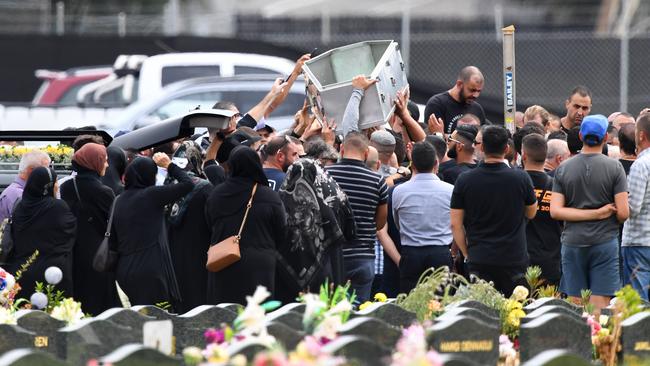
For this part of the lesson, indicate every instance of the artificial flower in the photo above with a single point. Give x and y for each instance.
(314, 306)
(329, 327)
(238, 360)
(270, 359)
(364, 305)
(192, 356)
(520, 293)
(341, 307)
(68, 310)
(7, 316)
(53, 275)
(595, 326)
(603, 319)
(216, 353)
(214, 336)
(506, 347)
(434, 306)
(8, 287)
(380, 297)
(38, 300)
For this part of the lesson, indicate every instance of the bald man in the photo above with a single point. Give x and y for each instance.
(451, 105)
(557, 152)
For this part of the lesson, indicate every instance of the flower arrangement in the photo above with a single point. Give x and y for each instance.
(411, 349)
(327, 311)
(8, 289)
(60, 154)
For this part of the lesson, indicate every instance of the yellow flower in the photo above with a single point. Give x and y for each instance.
(434, 305)
(514, 317)
(381, 297)
(216, 353)
(603, 332)
(364, 305)
(239, 360)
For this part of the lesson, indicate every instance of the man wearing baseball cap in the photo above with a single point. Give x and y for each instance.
(590, 195)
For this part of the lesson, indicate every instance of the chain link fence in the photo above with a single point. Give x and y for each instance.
(548, 64)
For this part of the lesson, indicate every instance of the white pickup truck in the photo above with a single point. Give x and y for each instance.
(137, 77)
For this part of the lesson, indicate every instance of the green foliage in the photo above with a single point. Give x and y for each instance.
(430, 283)
(24, 266)
(631, 300)
(585, 294)
(54, 296)
(332, 296)
(165, 305)
(547, 291)
(534, 278)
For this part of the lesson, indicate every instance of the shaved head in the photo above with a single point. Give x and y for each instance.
(468, 72)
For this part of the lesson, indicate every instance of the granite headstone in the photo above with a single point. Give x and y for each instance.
(635, 337)
(91, 338)
(138, 355)
(46, 329)
(556, 357)
(390, 313)
(29, 357)
(374, 329)
(555, 331)
(548, 301)
(467, 337)
(358, 350)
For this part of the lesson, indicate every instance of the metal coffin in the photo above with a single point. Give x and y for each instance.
(329, 81)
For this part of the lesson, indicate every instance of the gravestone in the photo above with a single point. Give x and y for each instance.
(246, 348)
(159, 335)
(555, 331)
(13, 336)
(635, 337)
(472, 304)
(390, 313)
(556, 357)
(154, 311)
(296, 307)
(550, 309)
(126, 317)
(91, 338)
(548, 301)
(456, 360)
(374, 329)
(467, 337)
(289, 318)
(472, 313)
(285, 335)
(29, 357)
(231, 306)
(190, 327)
(359, 350)
(46, 329)
(138, 355)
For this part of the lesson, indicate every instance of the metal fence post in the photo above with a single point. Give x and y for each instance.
(406, 34)
(60, 18)
(625, 56)
(325, 26)
(121, 24)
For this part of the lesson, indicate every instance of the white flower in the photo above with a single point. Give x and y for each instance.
(328, 327)
(53, 275)
(261, 293)
(38, 300)
(7, 316)
(9, 282)
(603, 319)
(313, 305)
(520, 293)
(252, 318)
(68, 310)
(342, 307)
(192, 355)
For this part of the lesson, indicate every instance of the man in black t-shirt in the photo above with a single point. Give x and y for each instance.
(542, 232)
(461, 150)
(451, 105)
(489, 207)
(577, 107)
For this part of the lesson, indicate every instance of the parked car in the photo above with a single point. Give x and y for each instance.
(180, 97)
(61, 87)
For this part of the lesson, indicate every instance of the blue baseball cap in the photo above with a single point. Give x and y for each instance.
(593, 129)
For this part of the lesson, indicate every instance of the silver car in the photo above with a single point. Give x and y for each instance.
(180, 97)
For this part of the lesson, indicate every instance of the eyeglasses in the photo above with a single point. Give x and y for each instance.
(454, 140)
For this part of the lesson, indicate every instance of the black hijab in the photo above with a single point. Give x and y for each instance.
(141, 173)
(38, 197)
(117, 162)
(233, 194)
(245, 163)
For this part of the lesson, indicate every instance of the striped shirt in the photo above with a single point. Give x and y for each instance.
(366, 190)
(636, 231)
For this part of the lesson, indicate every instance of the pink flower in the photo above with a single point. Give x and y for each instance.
(214, 336)
(270, 359)
(595, 326)
(434, 358)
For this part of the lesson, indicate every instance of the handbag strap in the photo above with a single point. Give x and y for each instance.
(248, 207)
(107, 234)
(76, 190)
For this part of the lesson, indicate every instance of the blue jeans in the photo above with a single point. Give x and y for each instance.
(360, 272)
(636, 269)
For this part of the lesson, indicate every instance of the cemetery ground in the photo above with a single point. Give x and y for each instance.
(445, 320)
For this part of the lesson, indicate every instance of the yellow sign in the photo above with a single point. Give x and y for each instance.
(466, 346)
(40, 341)
(642, 346)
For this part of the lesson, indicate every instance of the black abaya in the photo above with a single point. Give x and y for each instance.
(43, 223)
(263, 234)
(95, 290)
(117, 162)
(136, 232)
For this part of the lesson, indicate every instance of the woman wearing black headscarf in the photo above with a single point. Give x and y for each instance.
(90, 201)
(189, 233)
(117, 163)
(144, 270)
(263, 234)
(43, 223)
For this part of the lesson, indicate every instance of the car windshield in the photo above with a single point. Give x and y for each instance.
(172, 74)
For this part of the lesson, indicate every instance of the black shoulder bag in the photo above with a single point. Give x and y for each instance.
(7, 241)
(106, 258)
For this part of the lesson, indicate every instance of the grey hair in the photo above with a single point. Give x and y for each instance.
(556, 147)
(32, 159)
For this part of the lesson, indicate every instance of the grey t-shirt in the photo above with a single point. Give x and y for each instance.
(590, 181)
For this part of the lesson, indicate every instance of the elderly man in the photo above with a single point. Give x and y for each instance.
(558, 151)
(14, 191)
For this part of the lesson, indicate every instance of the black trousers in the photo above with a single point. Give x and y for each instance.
(505, 278)
(416, 260)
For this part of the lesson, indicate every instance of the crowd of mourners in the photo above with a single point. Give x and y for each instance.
(376, 207)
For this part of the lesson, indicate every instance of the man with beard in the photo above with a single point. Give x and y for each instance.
(461, 152)
(451, 105)
(278, 156)
(577, 106)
